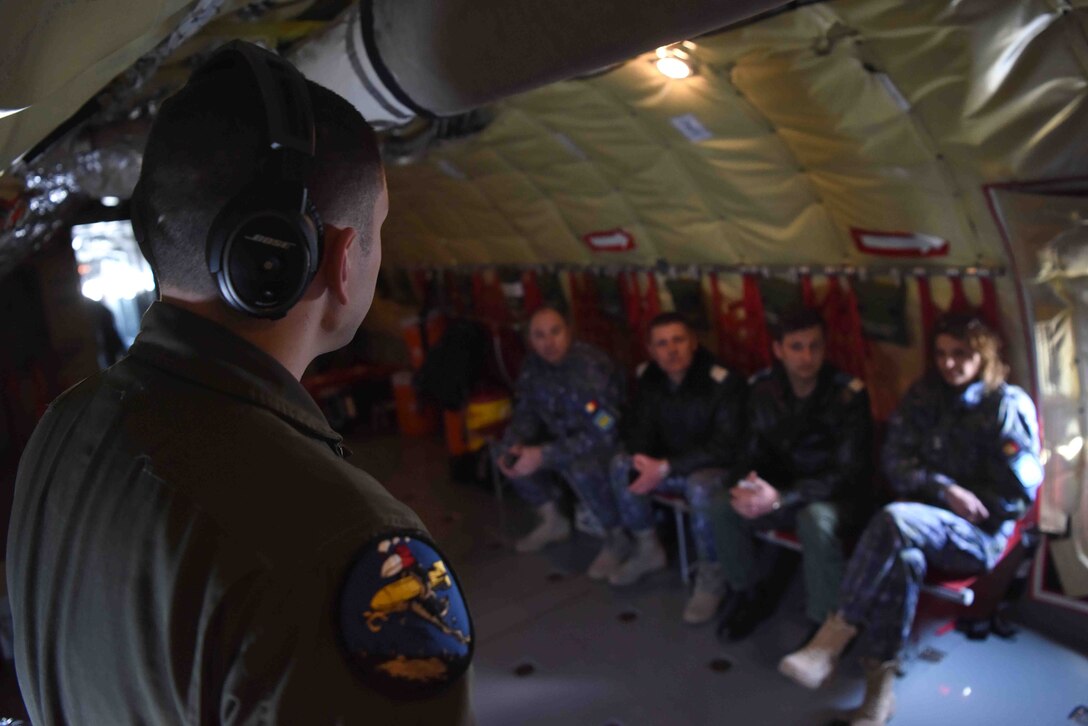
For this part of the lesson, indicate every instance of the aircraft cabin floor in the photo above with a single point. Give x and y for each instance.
(554, 648)
(592, 663)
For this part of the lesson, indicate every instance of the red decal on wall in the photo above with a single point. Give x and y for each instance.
(610, 240)
(899, 244)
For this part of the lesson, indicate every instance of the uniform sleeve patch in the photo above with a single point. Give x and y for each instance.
(856, 385)
(403, 619)
(1010, 448)
(718, 373)
(604, 421)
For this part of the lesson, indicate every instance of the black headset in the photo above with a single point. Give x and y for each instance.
(265, 244)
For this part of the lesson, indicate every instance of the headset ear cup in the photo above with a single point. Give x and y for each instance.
(262, 259)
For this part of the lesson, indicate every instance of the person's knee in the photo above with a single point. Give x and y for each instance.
(721, 513)
(620, 466)
(702, 486)
(818, 521)
(913, 561)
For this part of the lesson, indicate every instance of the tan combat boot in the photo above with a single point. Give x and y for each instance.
(707, 595)
(617, 546)
(649, 556)
(815, 663)
(553, 527)
(879, 703)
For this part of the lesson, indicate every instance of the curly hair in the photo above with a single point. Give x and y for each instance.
(981, 338)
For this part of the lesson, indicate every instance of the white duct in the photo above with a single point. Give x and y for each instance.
(396, 59)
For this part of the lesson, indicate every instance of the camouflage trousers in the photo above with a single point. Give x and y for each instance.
(885, 574)
(699, 488)
(588, 477)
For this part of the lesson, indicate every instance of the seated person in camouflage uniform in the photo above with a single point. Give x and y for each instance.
(565, 424)
(805, 465)
(962, 455)
(683, 433)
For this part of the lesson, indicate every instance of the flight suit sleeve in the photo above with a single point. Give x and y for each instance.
(389, 643)
(723, 447)
(1013, 469)
(597, 419)
(849, 470)
(525, 425)
(907, 474)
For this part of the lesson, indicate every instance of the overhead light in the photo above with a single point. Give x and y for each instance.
(674, 62)
(110, 201)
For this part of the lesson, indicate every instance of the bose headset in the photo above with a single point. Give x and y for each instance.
(265, 244)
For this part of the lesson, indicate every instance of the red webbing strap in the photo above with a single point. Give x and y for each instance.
(453, 293)
(478, 295)
(721, 320)
(929, 314)
(857, 351)
(629, 293)
(534, 298)
(594, 327)
(988, 309)
(652, 301)
(959, 303)
(758, 353)
(421, 284)
(488, 299)
(808, 294)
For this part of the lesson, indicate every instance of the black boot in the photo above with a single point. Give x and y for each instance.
(744, 611)
(751, 611)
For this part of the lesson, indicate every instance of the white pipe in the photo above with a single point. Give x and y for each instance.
(395, 59)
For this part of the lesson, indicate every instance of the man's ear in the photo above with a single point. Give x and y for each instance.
(339, 259)
(776, 347)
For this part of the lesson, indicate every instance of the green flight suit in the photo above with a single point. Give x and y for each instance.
(183, 529)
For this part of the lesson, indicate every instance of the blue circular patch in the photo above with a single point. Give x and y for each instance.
(403, 618)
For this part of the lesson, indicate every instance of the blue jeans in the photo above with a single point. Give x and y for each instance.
(698, 487)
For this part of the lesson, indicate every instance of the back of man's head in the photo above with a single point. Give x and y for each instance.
(209, 142)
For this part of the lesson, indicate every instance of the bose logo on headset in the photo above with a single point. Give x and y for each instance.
(265, 244)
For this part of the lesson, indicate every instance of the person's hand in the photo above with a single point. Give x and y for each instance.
(753, 497)
(529, 460)
(651, 472)
(964, 503)
(507, 459)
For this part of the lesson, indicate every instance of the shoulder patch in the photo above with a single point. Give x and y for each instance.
(641, 369)
(718, 373)
(403, 619)
(856, 385)
(1010, 448)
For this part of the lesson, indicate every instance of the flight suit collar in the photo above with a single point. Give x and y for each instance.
(195, 348)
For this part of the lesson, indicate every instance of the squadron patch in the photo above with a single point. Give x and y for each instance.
(403, 619)
(718, 373)
(856, 385)
(601, 418)
(1010, 448)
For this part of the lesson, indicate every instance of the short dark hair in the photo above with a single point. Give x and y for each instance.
(794, 319)
(551, 307)
(981, 338)
(667, 318)
(206, 145)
